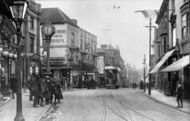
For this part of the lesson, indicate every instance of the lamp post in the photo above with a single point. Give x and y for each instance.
(48, 31)
(18, 10)
(1, 49)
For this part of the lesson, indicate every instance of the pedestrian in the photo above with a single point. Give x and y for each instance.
(58, 93)
(35, 90)
(141, 84)
(29, 86)
(179, 91)
(41, 91)
(13, 85)
(48, 92)
(3, 81)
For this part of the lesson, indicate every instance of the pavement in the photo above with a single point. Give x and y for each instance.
(159, 96)
(8, 108)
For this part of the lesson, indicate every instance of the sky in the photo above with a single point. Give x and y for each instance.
(121, 26)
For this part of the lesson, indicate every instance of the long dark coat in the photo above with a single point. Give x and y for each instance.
(13, 84)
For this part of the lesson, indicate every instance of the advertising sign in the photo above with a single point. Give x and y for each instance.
(100, 64)
(59, 37)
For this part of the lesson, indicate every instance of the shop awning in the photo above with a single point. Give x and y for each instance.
(161, 62)
(178, 65)
(110, 68)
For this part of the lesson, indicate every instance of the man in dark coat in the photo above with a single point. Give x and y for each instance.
(179, 91)
(13, 85)
(29, 86)
(35, 90)
(3, 81)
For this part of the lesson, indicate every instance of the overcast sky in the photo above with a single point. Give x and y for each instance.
(118, 26)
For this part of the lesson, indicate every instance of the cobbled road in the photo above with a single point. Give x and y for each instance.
(111, 105)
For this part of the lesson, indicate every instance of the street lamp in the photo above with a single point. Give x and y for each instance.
(18, 10)
(48, 31)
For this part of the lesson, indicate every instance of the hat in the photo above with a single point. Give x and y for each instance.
(178, 82)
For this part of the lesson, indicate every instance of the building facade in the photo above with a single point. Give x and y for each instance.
(63, 43)
(31, 43)
(172, 46)
(87, 55)
(72, 49)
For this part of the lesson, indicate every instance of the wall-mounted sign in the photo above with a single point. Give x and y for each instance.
(59, 38)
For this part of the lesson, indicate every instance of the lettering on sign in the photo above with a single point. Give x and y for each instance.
(58, 37)
(57, 40)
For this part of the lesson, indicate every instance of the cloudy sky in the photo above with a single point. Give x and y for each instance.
(119, 26)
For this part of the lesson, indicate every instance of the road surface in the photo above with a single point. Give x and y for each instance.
(111, 105)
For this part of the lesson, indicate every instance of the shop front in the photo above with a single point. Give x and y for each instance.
(181, 68)
(7, 51)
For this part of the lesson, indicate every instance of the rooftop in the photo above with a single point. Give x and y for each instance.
(55, 16)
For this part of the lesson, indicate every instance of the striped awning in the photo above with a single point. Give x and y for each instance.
(162, 61)
(178, 65)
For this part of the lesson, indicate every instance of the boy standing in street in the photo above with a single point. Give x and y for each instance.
(179, 91)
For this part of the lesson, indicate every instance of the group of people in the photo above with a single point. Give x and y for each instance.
(44, 90)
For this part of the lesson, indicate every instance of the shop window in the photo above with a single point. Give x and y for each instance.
(184, 26)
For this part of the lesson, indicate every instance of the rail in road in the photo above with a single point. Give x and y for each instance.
(112, 105)
(129, 110)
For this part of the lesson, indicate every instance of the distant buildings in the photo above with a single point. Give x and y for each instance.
(110, 65)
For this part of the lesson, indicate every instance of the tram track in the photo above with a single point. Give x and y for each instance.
(127, 108)
(107, 106)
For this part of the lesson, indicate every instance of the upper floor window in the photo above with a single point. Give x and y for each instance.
(173, 36)
(165, 44)
(72, 39)
(31, 44)
(173, 5)
(159, 48)
(81, 44)
(184, 26)
(31, 23)
(184, 1)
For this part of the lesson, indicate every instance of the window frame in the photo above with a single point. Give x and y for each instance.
(184, 26)
(31, 44)
(32, 23)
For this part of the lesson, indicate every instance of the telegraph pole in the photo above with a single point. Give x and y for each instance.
(144, 73)
(150, 31)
